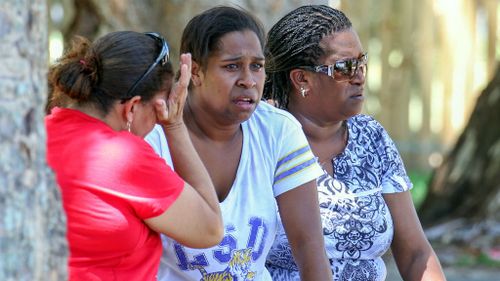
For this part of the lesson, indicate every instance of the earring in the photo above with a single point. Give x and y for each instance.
(128, 126)
(303, 92)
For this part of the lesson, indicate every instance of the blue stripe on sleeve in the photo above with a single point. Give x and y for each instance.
(292, 155)
(294, 170)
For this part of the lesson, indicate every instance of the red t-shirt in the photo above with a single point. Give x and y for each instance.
(110, 182)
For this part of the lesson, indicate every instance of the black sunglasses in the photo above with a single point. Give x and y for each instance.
(162, 58)
(342, 70)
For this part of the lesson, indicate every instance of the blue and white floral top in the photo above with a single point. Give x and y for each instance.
(357, 224)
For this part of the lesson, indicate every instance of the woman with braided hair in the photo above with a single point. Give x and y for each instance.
(316, 69)
(117, 193)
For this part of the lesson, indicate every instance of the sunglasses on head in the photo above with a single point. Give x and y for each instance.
(162, 58)
(342, 70)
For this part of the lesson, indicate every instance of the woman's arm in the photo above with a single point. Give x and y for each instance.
(299, 210)
(194, 219)
(414, 255)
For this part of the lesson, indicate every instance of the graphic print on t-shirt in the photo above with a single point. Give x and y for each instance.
(238, 261)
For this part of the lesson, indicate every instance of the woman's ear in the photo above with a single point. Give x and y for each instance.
(299, 80)
(130, 107)
(196, 74)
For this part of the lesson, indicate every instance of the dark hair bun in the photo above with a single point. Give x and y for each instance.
(77, 73)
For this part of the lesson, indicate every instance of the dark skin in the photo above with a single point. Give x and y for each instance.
(225, 93)
(328, 104)
(222, 170)
(328, 145)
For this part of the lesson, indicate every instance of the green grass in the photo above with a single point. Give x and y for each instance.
(485, 260)
(420, 180)
(477, 260)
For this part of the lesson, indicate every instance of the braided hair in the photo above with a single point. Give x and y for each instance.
(294, 41)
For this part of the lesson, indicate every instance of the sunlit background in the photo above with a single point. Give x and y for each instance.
(428, 62)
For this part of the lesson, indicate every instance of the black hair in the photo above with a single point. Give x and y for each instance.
(102, 72)
(294, 41)
(201, 36)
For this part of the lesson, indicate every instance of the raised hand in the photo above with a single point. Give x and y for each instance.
(169, 113)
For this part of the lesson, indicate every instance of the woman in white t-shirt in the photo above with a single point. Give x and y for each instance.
(256, 155)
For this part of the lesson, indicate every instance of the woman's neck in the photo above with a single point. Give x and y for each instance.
(112, 119)
(317, 130)
(204, 127)
(327, 139)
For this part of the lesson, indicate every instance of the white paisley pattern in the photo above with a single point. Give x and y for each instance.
(357, 224)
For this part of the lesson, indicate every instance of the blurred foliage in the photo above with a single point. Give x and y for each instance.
(481, 259)
(420, 180)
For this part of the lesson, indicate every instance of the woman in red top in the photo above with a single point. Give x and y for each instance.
(118, 195)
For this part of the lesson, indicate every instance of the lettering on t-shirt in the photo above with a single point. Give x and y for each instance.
(238, 261)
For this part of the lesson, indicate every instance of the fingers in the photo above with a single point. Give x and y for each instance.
(185, 70)
(181, 86)
(177, 97)
(172, 112)
(161, 110)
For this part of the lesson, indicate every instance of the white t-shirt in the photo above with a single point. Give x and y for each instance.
(275, 158)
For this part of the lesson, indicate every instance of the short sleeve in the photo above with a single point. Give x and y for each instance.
(394, 177)
(296, 163)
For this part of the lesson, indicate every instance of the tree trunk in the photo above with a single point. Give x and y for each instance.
(32, 225)
(467, 184)
(93, 18)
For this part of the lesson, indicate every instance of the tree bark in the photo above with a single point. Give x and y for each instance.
(32, 224)
(467, 184)
(93, 18)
